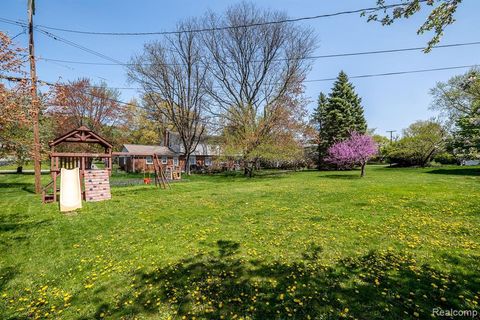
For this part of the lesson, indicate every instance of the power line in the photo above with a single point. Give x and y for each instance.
(78, 46)
(18, 34)
(289, 20)
(308, 81)
(397, 73)
(66, 41)
(360, 76)
(18, 79)
(117, 62)
(336, 55)
(14, 22)
(42, 82)
(393, 50)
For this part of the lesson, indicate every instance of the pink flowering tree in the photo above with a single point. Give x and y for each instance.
(354, 151)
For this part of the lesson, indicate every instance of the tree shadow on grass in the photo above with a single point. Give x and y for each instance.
(15, 186)
(30, 172)
(237, 176)
(17, 222)
(379, 285)
(457, 172)
(6, 275)
(342, 176)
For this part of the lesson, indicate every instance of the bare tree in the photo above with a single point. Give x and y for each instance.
(173, 77)
(254, 67)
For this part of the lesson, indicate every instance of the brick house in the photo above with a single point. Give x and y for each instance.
(135, 158)
(204, 156)
(139, 158)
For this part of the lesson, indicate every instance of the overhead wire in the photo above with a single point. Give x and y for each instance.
(78, 46)
(334, 55)
(248, 25)
(114, 61)
(397, 73)
(384, 74)
(61, 39)
(42, 82)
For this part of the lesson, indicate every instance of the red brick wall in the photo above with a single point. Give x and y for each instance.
(140, 165)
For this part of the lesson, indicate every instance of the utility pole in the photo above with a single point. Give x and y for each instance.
(391, 134)
(35, 108)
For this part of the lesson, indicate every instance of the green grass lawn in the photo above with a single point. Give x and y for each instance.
(318, 245)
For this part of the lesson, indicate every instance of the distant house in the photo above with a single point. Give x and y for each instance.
(138, 158)
(204, 155)
(470, 162)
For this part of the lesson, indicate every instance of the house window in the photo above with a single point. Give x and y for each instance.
(208, 161)
(164, 159)
(193, 160)
(175, 161)
(149, 160)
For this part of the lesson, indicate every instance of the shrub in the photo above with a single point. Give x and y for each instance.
(445, 158)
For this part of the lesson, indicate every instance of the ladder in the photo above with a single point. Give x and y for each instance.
(160, 178)
(49, 197)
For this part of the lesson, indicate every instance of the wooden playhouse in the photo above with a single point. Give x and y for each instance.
(95, 166)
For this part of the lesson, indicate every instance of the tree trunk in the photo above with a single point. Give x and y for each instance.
(249, 166)
(257, 164)
(427, 159)
(187, 165)
(362, 174)
(20, 169)
(319, 159)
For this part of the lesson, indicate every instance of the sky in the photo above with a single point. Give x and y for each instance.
(390, 103)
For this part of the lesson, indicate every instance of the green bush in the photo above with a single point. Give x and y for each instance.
(421, 141)
(445, 158)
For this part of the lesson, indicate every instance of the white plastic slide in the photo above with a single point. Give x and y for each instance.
(70, 190)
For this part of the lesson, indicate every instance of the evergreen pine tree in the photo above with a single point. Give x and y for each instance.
(339, 114)
(318, 116)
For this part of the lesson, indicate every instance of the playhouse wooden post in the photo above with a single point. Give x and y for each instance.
(82, 175)
(55, 187)
(55, 173)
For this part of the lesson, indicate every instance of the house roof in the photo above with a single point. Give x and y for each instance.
(139, 149)
(204, 149)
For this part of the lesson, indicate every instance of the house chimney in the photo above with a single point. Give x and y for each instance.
(166, 138)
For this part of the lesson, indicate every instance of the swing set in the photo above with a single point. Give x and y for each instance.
(159, 174)
(159, 170)
(146, 180)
